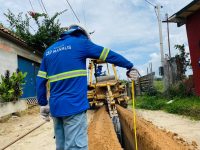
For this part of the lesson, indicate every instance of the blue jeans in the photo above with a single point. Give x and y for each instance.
(71, 132)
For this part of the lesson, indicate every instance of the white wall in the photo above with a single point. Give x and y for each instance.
(8, 55)
(12, 107)
(8, 61)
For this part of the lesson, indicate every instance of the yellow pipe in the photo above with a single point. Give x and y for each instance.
(115, 72)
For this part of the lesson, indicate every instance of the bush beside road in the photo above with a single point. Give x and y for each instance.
(188, 106)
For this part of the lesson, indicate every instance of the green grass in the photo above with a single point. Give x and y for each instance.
(185, 106)
(189, 106)
(159, 86)
(150, 102)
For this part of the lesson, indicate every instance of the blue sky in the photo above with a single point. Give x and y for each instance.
(128, 27)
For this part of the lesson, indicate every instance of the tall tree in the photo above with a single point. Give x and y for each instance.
(44, 32)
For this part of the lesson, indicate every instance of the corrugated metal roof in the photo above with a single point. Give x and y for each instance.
(181, 16)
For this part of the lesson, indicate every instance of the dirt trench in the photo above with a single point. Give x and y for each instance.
(100, 131)
(148, 135)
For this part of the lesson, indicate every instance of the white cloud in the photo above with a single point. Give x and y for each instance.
(128, 27)
(156, 63)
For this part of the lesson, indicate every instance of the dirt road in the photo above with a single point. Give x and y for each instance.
(40, 139)
(184, 127)
(101, 133)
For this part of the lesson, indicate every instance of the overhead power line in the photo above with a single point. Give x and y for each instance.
(150, 3)
(73, 11)
(44, 7)
(32, 28)
(41, 6)
(31, 5)
(83, 9)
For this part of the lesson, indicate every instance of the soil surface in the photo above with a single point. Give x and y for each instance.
(40, 139)
(150, 137)
(101, 132)
(182, 126)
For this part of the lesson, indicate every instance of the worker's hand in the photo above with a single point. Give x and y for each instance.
(44, 111)
(132, 73)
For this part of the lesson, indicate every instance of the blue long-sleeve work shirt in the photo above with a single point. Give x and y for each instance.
(64, 65)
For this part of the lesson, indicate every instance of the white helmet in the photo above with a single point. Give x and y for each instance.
(75, 28)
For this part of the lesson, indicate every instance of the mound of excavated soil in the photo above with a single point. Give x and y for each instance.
(101, 132)
(149, 136)
(181, 126)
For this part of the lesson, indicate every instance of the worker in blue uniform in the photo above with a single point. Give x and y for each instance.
(99, 72)
(64, 66)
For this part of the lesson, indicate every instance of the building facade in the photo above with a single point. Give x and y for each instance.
(15, 54)
(190, 16)
(193, 33)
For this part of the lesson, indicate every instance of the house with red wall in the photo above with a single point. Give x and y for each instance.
(190, 16)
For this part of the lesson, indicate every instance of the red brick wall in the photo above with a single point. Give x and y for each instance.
(193, 33)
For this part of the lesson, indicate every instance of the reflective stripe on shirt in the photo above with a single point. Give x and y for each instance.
(42, 74)
(66, 75)
(104, 54)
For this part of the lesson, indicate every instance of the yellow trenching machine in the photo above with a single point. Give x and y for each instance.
(104, 87)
